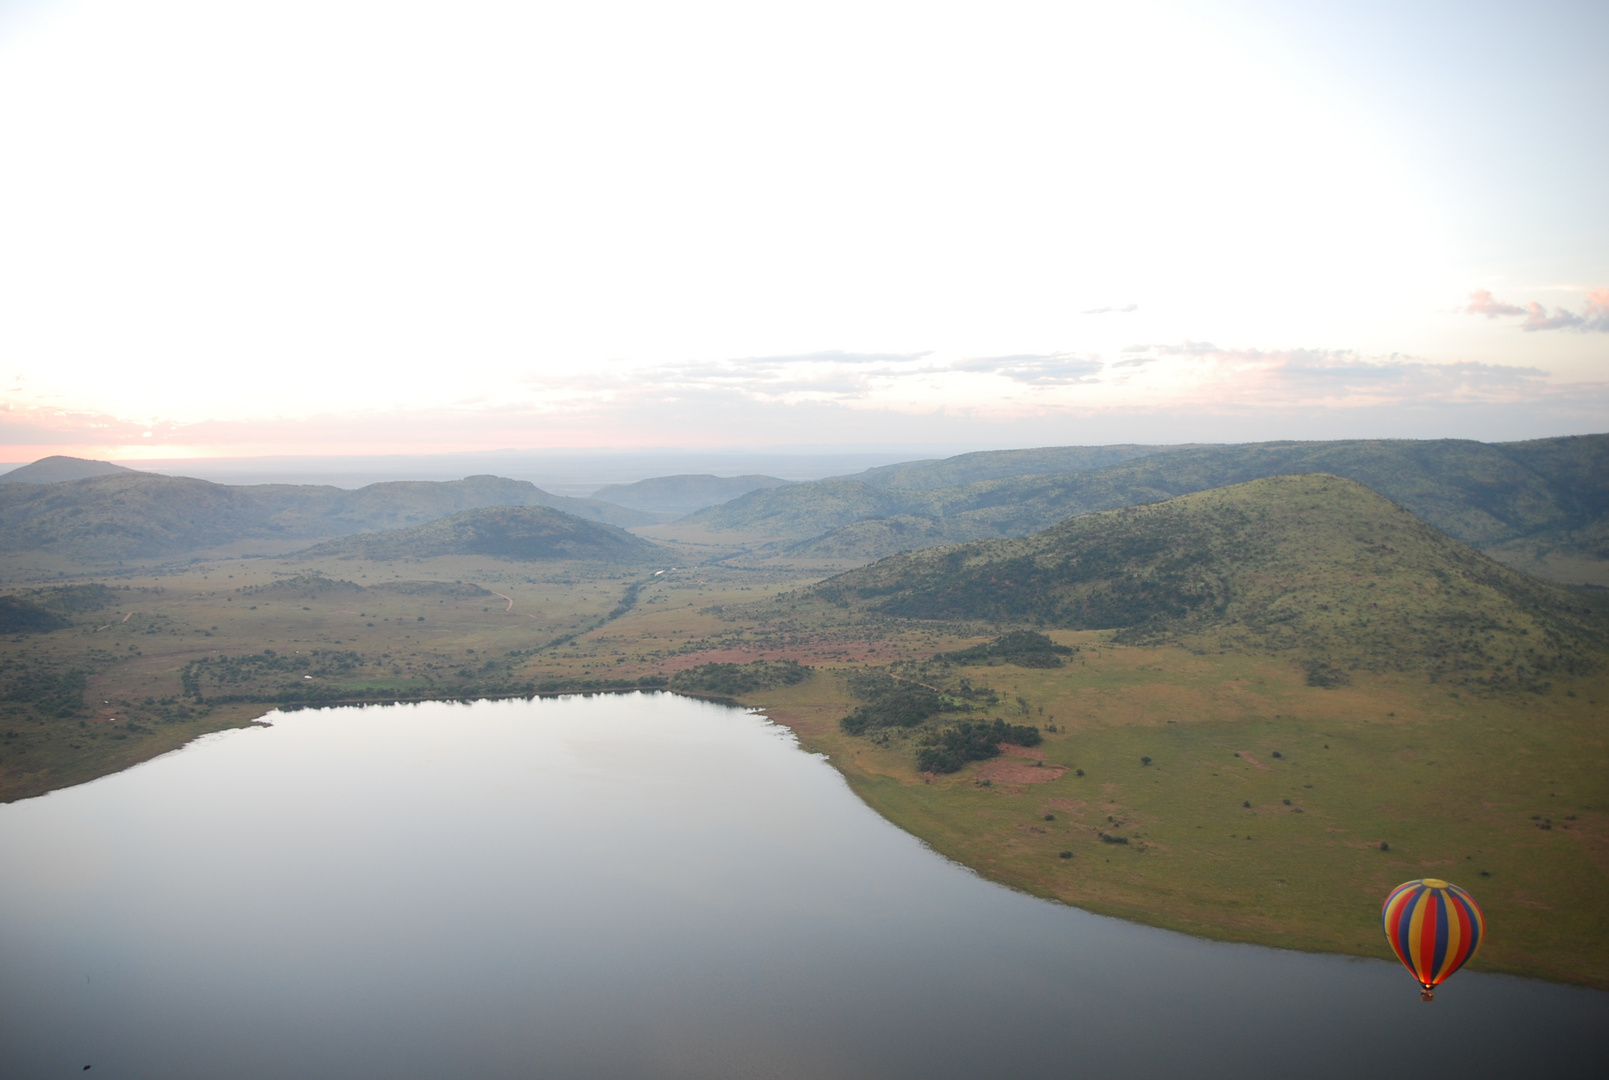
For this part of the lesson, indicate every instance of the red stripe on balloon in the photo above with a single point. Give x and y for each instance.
(1427, 936)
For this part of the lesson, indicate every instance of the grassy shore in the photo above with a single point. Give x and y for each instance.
(1269, 811)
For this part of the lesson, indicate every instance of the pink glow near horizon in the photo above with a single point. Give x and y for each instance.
(532, 227)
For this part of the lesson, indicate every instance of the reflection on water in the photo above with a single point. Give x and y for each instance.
(631, 886)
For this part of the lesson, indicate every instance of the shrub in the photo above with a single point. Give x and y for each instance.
(1325, 675)
(732, 679)
(892, 702)
(948, 750)
(18, 616)
(1024, 648)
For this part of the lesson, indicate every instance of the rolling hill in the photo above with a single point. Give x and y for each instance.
(998, 464)
(133, 515)
(524, 533)
(1551, 494)
(56, 468)
(801, 510)
(683, 494)
(1315, 566)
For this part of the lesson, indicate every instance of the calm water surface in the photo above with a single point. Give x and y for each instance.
(636, 886)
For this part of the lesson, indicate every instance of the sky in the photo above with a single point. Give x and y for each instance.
(232, 229)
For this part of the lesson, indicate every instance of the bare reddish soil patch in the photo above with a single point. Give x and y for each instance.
(1013, 750)
(1006, 771)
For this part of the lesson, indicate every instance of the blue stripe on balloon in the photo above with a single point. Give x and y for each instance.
(1440, 954)
(1405, 928)
(1474, 926)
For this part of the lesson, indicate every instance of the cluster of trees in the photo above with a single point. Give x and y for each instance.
(1024, 648)
(948, 749)
(894, 703)
(46, 693)
(729, 680)
(234, 671)
(18, 616)
(40, 611)
(891, 702)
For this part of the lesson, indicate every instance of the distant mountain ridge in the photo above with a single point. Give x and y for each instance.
(524, 533)
(1316, 566)
(134, 515)
(685, 493)
(998, 464)
(1524, 502)
(57, 468)
(1550, 491)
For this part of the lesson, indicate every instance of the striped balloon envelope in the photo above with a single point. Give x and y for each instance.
(1434, 928)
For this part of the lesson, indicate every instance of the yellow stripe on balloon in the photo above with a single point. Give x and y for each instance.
(1416, 925)
(1393, 913)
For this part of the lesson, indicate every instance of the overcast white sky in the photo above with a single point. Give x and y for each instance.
(352, 226)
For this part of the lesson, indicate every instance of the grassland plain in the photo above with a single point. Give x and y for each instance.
(1263, 809)
(1454, 778)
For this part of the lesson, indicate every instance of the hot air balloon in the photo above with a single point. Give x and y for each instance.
(1434, 928)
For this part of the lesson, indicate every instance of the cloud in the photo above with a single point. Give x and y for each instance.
(1596, 315)
(1595, 318)
(1036, 369)
(1326, 378)
(830, 376)
(1481, 302)
(1110, 310)
(1185, 391)
(828, 356)
(1537, 318)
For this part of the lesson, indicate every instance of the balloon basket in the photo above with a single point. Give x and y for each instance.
(1427, 994)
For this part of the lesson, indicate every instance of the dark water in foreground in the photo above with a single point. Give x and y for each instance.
(641, 886)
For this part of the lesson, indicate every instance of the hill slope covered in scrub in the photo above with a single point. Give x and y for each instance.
(1546, 496)
(133, 515)
(801, 510)
(998, 464)
(1316, 566)
(507, 532)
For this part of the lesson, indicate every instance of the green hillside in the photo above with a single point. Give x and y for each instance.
(1547, 497)
(800, 510)
(507, 532)
(878, 538)
(997, 464)
(132, 515)
(1317, 567)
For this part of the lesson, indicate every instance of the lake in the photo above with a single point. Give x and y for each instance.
(633, 886)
